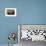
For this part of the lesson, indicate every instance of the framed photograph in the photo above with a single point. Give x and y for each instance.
(10, 11)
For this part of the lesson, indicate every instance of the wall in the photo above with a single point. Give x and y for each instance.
(28, 12)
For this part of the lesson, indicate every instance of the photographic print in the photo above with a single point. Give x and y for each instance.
(10, 11)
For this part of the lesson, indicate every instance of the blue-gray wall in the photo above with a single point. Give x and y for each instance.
(28, 12)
